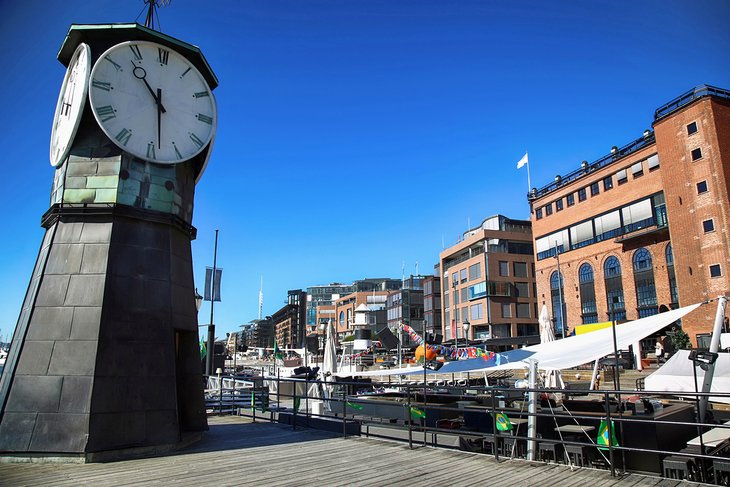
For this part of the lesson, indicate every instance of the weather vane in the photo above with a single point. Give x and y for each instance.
(152, 5)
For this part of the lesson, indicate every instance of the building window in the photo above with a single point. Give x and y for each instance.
(702, 187)
(464, 294)
(582, 194)
(692, 128)
(506, 310)
(522, 290)
(715, 270)
(637, 170)
(538, 214)
(589, 313)
(559, 205)
(520, 269)
(462, 276)
(621, 176)
(697, 154)
(556, 298)
(456, 296)
(708, 226)
(644, 281)
(476, 311)
(614, 288)
(594, 189)
(503, 268)
(570, 199)
(454, 279)
(523, 310)
(548, 209)
(607, 183)
(475, 271)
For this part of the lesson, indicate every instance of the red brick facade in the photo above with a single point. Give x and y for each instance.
(690, 210)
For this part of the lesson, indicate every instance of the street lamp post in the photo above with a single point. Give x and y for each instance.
(465, 324)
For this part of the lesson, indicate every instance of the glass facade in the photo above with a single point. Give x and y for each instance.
(614, 289)
(589, 313)
(644, 281)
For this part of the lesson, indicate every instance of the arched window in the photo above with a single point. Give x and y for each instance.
(673, 291)
(556, 295)
(644, 280)
(614, 289)
(589, 314)
(342, 319)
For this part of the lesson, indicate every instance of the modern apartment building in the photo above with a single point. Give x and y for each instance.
(289, 322)
(321, 299)
(644, 228)
(488, 283)
(432, 303)
(406, 306)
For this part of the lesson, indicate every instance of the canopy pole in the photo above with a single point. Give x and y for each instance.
(532, 410)
(714, 347)
(595, 375)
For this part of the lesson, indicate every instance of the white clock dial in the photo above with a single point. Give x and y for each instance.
(70, 105)
(152, 102)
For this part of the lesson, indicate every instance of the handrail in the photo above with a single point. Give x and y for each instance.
(688, 97)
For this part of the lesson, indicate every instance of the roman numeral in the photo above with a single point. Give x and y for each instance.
(177, 152)
(102, 85)
(205, 119)
(123, 136)
(201, 94)
(196, 140)
(135, 52)
(184, 73)
(106, 113)
(116, 66)
(162, 56)
(151, 150)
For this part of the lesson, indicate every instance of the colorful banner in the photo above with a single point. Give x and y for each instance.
(451, 353)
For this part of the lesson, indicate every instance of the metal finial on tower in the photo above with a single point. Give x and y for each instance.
(261, 298)
(152, 5)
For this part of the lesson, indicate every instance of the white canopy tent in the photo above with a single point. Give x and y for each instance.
(560, 354)
(676, 376)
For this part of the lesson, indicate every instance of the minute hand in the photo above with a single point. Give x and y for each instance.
(143, 77)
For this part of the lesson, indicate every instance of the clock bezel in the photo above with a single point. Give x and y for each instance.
(78, 110)
(137, 153)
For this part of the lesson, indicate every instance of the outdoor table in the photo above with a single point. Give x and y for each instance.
(713, 438)
(574, 428)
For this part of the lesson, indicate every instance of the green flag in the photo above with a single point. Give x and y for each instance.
(603, 435)
(503, 422)
(354, 406)
(277, 353)
(203, 349)
(417, 413)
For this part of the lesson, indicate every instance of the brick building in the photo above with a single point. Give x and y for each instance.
(644, 228)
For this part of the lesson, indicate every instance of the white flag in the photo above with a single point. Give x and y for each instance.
(522, 161)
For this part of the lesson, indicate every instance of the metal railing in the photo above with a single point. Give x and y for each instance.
(416, 414)
(688, 97)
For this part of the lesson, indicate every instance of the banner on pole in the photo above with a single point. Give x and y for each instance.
(212, 289)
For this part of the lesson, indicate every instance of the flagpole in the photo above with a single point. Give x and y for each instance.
(529, 186)
(211, 327)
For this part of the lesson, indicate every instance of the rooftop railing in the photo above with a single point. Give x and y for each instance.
(616, 154)
(687, 98)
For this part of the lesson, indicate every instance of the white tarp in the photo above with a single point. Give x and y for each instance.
(560, 354)
(676, 375)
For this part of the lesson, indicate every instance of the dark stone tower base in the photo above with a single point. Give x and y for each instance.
(105, 355)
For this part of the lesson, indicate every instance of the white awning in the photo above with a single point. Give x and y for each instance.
(677, 376)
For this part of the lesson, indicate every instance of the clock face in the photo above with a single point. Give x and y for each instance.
(70, 105)
(152, 102)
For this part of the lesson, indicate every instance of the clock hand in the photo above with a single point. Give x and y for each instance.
(143, 77)
(159, 115)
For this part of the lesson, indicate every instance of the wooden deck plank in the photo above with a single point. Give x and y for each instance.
(238, 452)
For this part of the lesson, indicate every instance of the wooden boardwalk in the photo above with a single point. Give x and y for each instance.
(238, 452)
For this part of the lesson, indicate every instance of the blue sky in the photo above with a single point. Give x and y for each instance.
(356, 136)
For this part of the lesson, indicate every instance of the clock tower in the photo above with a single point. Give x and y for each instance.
(104, 360)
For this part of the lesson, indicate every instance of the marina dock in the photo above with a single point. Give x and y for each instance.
(237, 451)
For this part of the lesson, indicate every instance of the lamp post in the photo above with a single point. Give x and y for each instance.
(198, 300)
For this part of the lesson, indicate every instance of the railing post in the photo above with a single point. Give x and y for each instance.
(409, 416)
(609, 425)
(344, 411)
